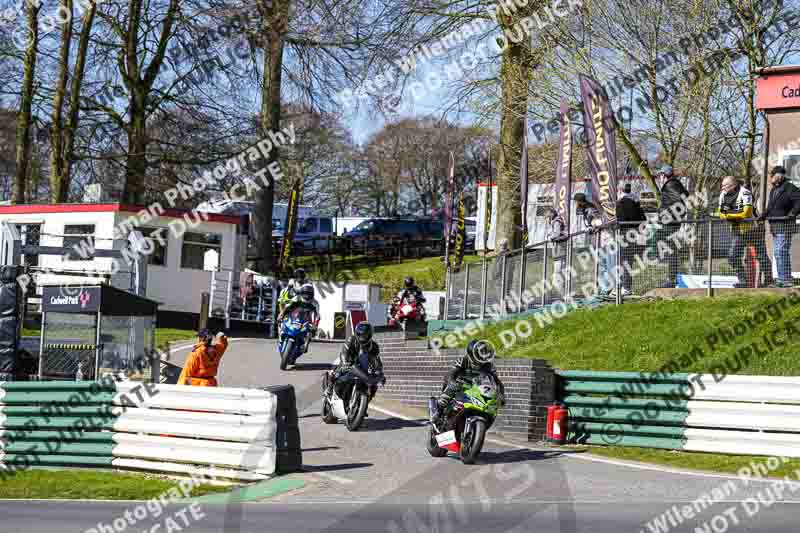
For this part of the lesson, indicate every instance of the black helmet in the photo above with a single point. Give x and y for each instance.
(409, 282)
(300, 274)
(480, 353)
(306, 293)
(363, 333)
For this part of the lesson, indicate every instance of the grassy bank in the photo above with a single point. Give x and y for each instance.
(80, 484)
(428, 272)
(163, 335)
(644, 336)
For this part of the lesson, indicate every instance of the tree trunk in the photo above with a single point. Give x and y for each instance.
(275, 26)
(23, 144)
(74, 102)
(136, 164)
(516, 75)
(57, 163)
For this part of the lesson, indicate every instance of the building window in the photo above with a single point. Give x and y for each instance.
(195, 247)
(30, 235)
(157, 246)
(79, 242)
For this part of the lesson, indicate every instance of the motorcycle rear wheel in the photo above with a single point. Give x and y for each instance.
(355, 416)
(433, 446)
(287, 349)
(472, 442)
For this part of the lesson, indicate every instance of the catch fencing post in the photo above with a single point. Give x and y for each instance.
(484, 280)
(596, 254)
(502, 295)
(466, 293)
(568, 284)
(544, 276)
(523, 268)
(709, 249)
(618, 269)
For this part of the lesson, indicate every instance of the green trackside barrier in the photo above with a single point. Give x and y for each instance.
(625, 408)
(56, 423)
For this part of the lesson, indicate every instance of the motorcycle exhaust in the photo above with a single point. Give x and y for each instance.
(433, 408)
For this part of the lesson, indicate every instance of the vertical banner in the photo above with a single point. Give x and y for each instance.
(563, 188)
(461, 232)
(290, 226)
(598, 123)
(523, 183)
(488, 220)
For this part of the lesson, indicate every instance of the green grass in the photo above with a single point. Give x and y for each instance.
(428, 273)
(80, 484)
(644, 336)
(729, 464)
(165, 335)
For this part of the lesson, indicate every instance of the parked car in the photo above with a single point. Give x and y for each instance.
(377, 233)
(312, 233)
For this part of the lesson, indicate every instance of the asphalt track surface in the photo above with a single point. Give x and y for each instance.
(381, 479)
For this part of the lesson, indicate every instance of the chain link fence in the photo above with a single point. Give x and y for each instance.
(628, 260)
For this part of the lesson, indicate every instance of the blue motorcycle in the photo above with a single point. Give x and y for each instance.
(293, 336)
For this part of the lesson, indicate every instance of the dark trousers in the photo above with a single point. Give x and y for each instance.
(673, 260)
(628, 262)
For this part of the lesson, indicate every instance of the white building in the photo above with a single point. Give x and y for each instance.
(187, 246)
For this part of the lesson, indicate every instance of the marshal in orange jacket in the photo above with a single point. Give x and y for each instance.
(202, 364)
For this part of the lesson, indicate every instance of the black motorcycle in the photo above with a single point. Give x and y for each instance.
(350, 397)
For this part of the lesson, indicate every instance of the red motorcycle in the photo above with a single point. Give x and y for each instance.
(404, 312)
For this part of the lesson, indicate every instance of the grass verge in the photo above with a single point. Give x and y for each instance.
(644, 336)
(79, 484)
(163, 335)
(727, 464)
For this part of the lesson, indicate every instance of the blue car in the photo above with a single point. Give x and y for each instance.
(292, 339)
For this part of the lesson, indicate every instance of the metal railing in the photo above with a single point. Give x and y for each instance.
(627, 260)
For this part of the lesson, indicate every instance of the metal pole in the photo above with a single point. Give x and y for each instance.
(544, 276)
(97, 346)
(41, 344)
(618, 270)
(466, 293)
(484, 280)
(523, 268)
(503, 268)
(448, 291)
(228, 301)
(155, 356)
(596, 254)
(205, 304)
(568, 285)
(762, 201)
(709, 249)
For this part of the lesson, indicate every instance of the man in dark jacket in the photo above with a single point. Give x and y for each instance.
(784, 201)
(361, 341)
(629, 215)
(672, 193)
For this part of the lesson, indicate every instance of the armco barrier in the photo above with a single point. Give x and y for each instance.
(414, 373)
(241, 434)
(751, 415)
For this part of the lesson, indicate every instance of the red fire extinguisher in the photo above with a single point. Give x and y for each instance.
(557, 419)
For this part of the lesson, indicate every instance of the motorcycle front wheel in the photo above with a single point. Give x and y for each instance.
(433, 446)
(472, 441)
(358, 408)
(287, 349)
(327, 415)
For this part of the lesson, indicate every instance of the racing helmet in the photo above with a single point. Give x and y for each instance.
(480, 352)
(363, 333)
(306, 293)
(409, 282)
(300, 275)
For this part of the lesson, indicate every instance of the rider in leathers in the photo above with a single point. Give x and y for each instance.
(479, 358)
(348, 357)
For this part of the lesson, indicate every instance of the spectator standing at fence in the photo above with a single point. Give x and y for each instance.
(672, 193)
(557, 234)
(736, 206)
(783, 201)
(629, 215)
(606, 255)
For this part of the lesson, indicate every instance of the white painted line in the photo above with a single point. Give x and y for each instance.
(594, 458)
(332, 477)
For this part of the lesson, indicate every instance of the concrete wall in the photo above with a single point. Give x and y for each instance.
(414, 374)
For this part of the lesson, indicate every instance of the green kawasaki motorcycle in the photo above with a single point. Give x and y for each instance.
(469, 415)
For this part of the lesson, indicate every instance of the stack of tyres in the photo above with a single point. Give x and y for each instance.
(289, 456)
